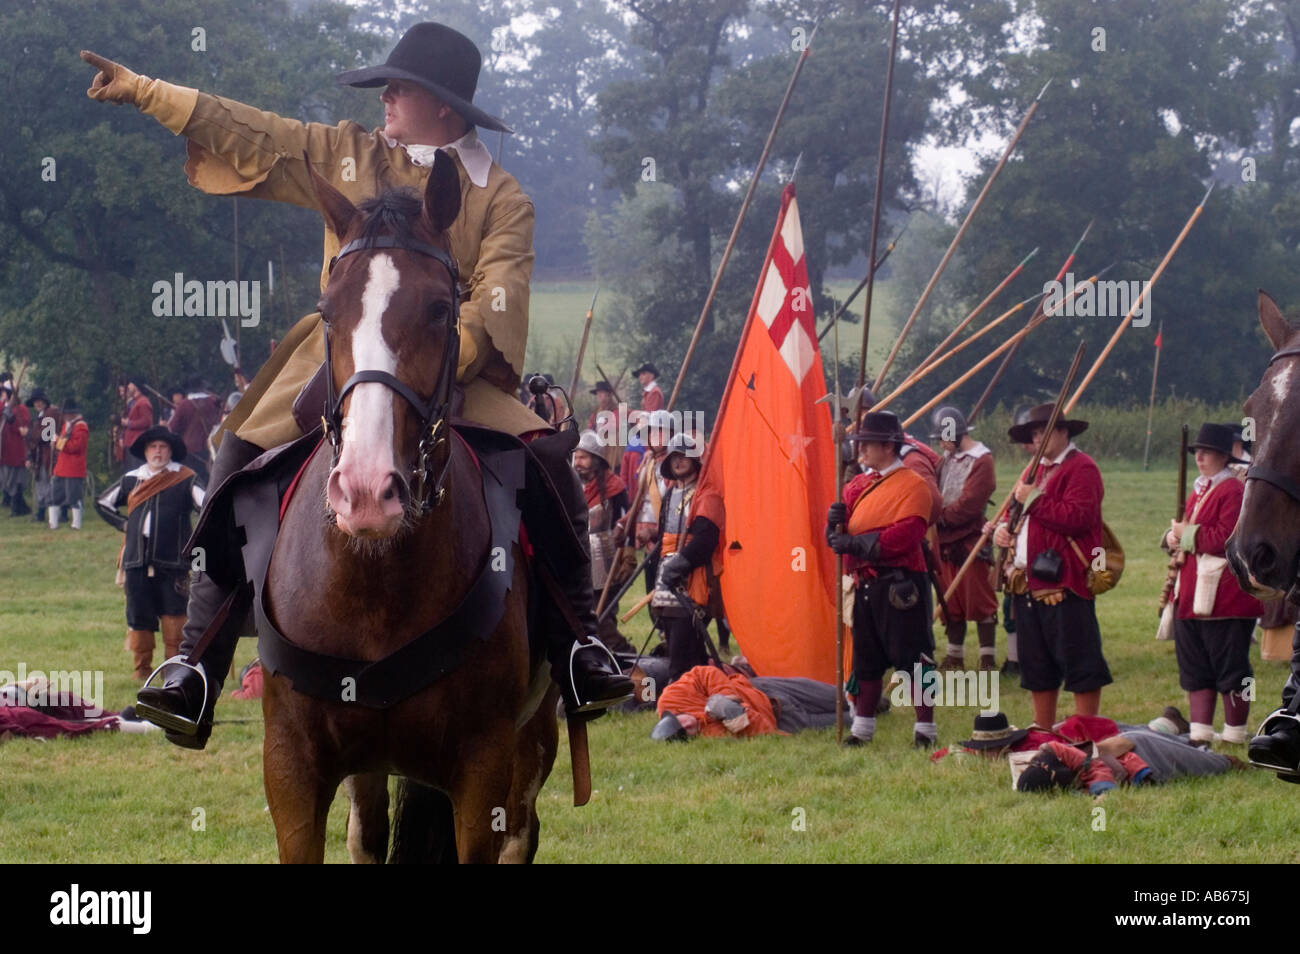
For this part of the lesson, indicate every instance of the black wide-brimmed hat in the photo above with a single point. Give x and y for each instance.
(602, 386)
(993, 732)
(160, 433)
(882, 426)
(1023, 432)
(1215, 437)
(439, 59)
(647, 367)
(38, 394)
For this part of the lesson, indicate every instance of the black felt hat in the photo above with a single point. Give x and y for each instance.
(602, 386)
(1215, 437)
(647, 367)
(160, 433)
(1023, 431)
(439, 59)
(882, 426)
(993, 732)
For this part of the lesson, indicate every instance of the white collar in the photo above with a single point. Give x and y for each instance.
(975, 453)
(144, 473)
(474, 156)
(651, 386)
(898, 462)
(1061, 456)
(1202, 481)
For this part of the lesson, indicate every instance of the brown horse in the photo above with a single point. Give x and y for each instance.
(1264, 549)
(378, 543)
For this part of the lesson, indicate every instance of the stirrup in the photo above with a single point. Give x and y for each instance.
(594, 642)
(170, 720)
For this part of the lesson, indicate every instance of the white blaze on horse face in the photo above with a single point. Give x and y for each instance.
(1281, 389)
(368, 433)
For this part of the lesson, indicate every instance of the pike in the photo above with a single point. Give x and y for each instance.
(1006, 362)
(1124, 322)
(740, 217)
(871, 252)
(1000, 349)
(956, 239)
(1151, 404)
(884, 256)
(582, 344)
(961, 325)
(1010, 506)
(839, 557)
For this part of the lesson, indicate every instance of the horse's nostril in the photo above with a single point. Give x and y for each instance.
(1263, 559)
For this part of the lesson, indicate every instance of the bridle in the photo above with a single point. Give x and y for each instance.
(426, 491)
(1288, 485)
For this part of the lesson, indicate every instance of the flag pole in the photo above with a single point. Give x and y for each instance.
(875, 207)
(839, 557)
(1151, 405)
(956, 239)
(1124, 323)
(582, 344)
(740, 217)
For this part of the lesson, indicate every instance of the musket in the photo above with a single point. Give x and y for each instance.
(1015, 510)
(582, 344)
(1176, 557)
(877, 197)
(956, 239)
(613, 385)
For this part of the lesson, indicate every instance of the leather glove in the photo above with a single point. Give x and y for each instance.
(836, 517)
(114, 83)
(864, 546)
(674, 571)
(468, 353)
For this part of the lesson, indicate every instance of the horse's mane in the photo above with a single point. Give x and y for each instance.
(393, 212)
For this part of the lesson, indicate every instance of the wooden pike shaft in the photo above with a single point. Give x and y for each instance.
(839, 557)
(740, 217)
(1124, 323)
(956, 239)
(582, 345)
(961, 326)
(1151, 403)
(875, 214)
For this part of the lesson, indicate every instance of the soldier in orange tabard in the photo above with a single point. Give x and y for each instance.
(878, 529)
(691, 520)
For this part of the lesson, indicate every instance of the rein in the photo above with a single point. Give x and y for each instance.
(426, 490)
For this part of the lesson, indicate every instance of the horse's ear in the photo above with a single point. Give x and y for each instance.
(1277, 328)
(333, 204)
(442, 193)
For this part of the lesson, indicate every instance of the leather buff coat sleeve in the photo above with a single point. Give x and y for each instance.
(234, 149)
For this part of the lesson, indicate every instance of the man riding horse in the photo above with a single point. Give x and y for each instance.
(233, 149)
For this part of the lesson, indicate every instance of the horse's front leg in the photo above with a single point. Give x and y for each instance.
(480, 794)
(367, 817)
(299, 777)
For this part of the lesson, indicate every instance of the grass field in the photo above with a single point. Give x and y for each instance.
(122, 798)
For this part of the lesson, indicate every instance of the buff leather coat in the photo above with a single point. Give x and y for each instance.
(234, 149)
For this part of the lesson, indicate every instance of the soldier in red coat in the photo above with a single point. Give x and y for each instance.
(137, 419)
(966, 482)
(1056, 621)
(1215, 619)
(14, 424)
(69, 484)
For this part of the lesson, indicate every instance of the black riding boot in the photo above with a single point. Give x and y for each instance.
(178, 705)
(585, 671)
(18, 507)
(1278, 748)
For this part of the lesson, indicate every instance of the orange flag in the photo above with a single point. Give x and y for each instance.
(772, 454)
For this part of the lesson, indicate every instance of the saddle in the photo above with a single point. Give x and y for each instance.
(252, 502)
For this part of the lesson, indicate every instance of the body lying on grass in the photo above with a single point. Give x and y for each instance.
(1092, 752)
